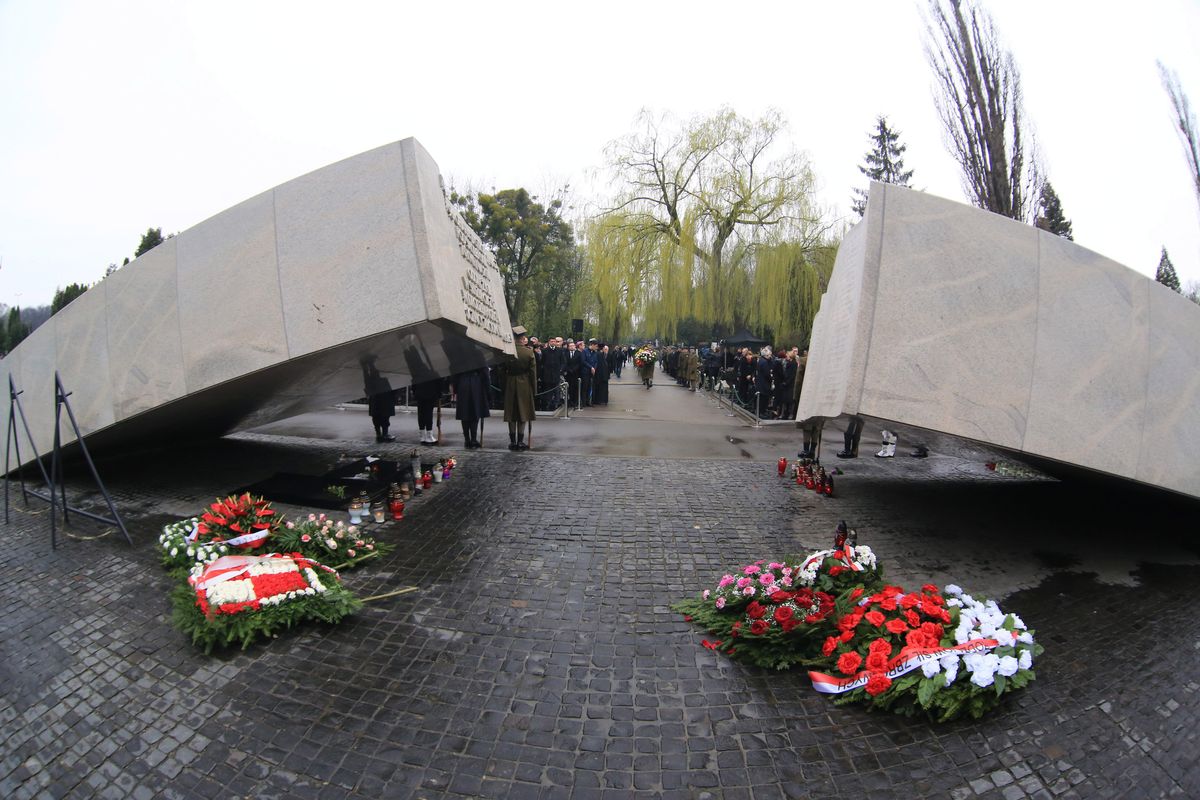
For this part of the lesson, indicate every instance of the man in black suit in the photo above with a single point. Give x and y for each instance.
(572, 365)
(553, 363)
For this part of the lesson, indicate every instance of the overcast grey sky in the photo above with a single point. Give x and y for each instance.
(119, 116)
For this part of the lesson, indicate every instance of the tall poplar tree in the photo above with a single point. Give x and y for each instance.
(1166, 273)
(1050, 214)
(884, 162)
(983, 116)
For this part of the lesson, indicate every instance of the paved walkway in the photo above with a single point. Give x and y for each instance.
(540, 658)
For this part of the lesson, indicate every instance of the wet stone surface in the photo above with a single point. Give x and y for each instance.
(540, 658)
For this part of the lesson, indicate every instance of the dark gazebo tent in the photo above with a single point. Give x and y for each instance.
(742, 338)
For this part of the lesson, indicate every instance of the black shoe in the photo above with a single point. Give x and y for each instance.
(845, 454)
(386, 438)
(514, 446)
(522, 446)
(921, 451)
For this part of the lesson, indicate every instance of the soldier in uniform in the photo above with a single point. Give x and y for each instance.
(693, 369)
(519, 387)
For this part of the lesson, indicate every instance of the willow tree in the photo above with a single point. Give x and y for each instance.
(695, 205)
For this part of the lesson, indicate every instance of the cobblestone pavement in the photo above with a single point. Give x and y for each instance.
(540, 658)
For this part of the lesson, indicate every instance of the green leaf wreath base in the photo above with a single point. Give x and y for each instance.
(223, 630)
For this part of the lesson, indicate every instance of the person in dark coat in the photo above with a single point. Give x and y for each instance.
(550, 375)
(762, 382)
(520, 385)
(785, 384)
(571, 372)
(426, 395)
(381, 404)
(470, 390)
(587, 370)
(600, 379)
(745, 378)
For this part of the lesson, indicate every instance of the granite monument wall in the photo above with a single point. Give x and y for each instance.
(286, 302)
(949, 318)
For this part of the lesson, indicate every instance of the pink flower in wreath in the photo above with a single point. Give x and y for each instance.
(725, 581)
(720, 602)
(766, 579)
(753, 569)
(306, 538)
(742, 583)
(748, 591)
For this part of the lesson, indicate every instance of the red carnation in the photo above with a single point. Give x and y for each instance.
(877, 662)
(875, 618)
(912, 618)
(846, 636)
(835, 570)
(882, 646)
(790, 625)
(915, 638)
(784, 613)
(759, 627)
(933, 630)
(888, 603)
(929, 588)
(878, 683)
(849, 622)
(910, 601)
(756, 610)
(780, 596)
(896, 626)
(848, 663)
(892, 591)
(830, 645)
(857, 593)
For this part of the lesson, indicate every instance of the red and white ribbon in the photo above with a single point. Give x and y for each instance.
(909, 659)
(245, 540)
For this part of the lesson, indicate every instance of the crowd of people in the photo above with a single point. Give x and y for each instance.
(765, 382)
(542, 376)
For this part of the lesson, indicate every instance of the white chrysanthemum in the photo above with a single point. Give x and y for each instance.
(930, 667)
(951, 673)
(174, 552)
(953, 589)
(1008, 666)
(1017, 622)
(1025, 660)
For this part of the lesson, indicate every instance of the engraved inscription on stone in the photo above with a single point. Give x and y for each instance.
(477, 297)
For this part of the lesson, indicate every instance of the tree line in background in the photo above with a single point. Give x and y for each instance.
(713, 223)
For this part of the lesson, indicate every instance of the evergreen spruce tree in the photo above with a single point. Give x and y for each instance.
(1050, 214)
(885, 163)
(1166, 273)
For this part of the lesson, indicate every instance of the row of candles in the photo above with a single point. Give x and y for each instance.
(361, 509)
(809, 474)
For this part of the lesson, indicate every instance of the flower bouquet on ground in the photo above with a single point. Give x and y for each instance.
(239, 598)
(181, 550)
(644, 357)
(944, 656)
(918, 652)
(763, 615)
(240, 522)
(322, 539)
